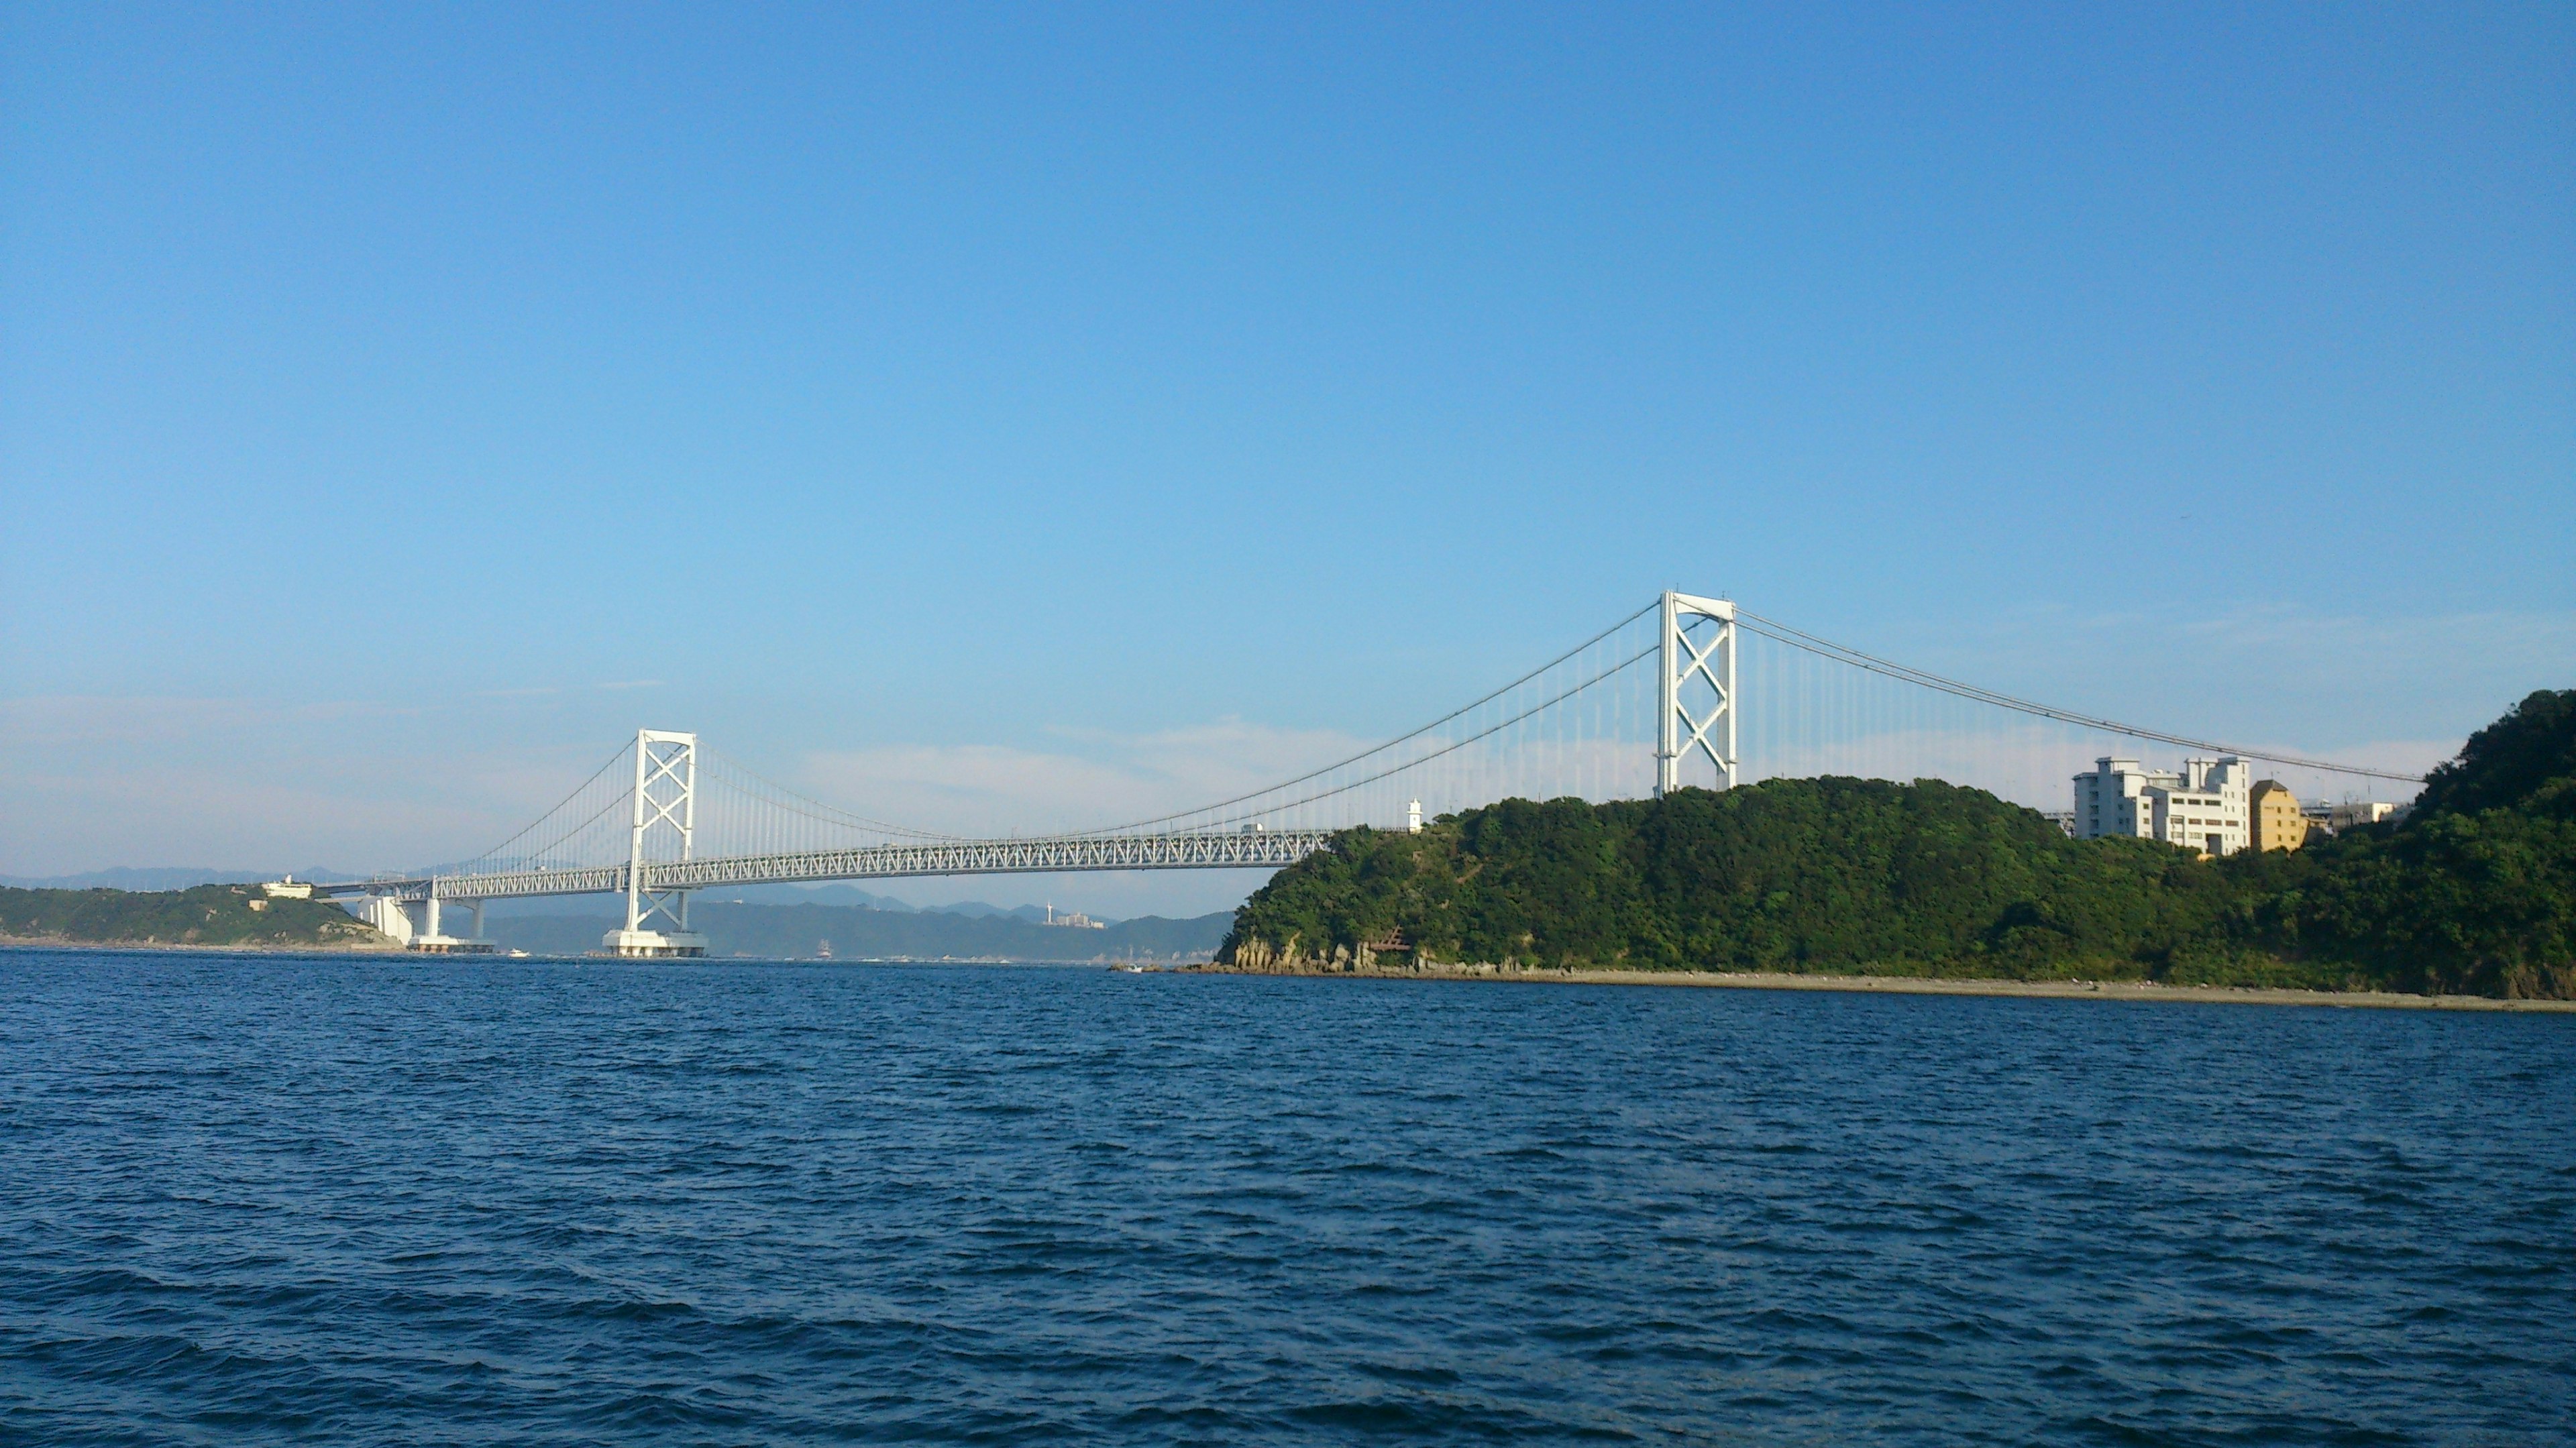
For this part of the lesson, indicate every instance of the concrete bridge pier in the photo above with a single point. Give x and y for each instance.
(638, 941)
(429, 939)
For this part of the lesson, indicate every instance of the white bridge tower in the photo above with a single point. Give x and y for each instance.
(666, 804)
(1697, 675)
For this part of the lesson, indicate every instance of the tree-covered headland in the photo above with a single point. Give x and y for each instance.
(2473, 892)
(228, 915)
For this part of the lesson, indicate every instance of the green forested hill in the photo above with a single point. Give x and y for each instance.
(206, 915)
(2476, 891)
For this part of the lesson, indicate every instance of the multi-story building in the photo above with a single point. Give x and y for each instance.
(2206, 807)
(1070, 919)
(2279, 823)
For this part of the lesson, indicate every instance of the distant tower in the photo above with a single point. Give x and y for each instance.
(1413, 817)
(1696, 674)
(666, 803)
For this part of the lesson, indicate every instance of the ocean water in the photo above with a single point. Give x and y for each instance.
(394, 1201)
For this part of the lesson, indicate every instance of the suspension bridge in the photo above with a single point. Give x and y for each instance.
(1686, 692)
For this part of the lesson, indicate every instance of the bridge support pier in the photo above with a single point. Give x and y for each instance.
(643, 907)
(429, 939)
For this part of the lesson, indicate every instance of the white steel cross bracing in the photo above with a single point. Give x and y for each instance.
(666, 793)
(1683, 664)
(670, 905)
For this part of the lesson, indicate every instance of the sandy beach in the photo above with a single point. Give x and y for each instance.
(2097, 990)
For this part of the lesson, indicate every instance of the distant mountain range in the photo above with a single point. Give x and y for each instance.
(853, 895)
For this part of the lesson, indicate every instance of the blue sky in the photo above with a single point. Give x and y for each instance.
(399, 404)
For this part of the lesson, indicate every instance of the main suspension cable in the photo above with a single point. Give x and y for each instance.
(1450, 748)
(532, 826)
(1840, 653)
(1399, 739)
(814, 809)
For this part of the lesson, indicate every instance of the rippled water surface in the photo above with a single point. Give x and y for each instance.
(254, 1200)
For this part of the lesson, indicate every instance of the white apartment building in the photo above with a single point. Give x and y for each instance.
(2207, 807)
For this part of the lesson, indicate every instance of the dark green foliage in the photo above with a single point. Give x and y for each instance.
(2525, 761)
(2476, 891)
(206, 915)
(1795, 875)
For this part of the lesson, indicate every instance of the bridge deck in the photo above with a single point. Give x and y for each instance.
(1256, 849)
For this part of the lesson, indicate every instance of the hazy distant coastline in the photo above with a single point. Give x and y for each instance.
(239, 917)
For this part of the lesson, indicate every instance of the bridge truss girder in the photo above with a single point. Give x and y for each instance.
(1249, 850)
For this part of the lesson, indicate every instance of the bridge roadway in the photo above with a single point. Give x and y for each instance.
(1249, 849)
